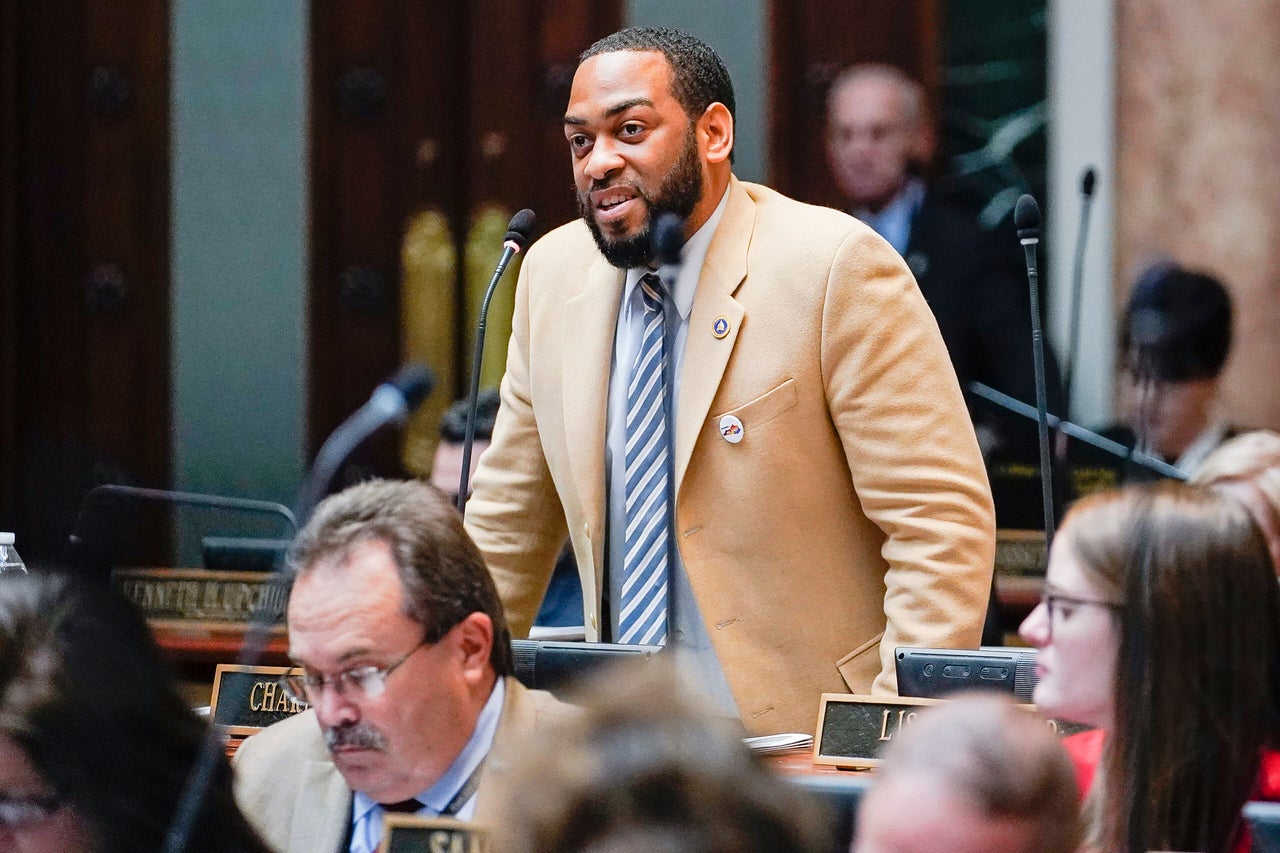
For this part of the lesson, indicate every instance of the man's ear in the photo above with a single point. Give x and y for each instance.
(473, 637)
(715, 133)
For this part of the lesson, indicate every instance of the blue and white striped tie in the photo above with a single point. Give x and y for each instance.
(643, 618)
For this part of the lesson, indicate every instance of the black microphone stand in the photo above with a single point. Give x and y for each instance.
(668, 243)
(1026, 216)
(517, 237)
(391, 401)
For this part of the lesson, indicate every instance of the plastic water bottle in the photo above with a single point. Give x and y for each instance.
(9, 559)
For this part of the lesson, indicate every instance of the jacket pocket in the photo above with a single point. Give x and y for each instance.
(860, 667)
(764, 408)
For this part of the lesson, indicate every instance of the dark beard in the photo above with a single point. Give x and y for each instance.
(680, 192)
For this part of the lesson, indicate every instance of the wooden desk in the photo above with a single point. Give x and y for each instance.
(194, 651)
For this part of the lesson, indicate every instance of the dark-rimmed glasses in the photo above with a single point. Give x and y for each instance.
(19, 812)
(1051, 599)
(364, 681)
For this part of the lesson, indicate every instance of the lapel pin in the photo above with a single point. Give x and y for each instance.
(731, 429)
(720, 328)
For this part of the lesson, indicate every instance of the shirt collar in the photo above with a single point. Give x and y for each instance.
(894, 222)
(692, 258)
(437, 797)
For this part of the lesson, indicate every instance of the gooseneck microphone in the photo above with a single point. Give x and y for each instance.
(392, 401)
(80, 554)
(668, 246)
(1026, 218)
(519, 230)
(1087, 182)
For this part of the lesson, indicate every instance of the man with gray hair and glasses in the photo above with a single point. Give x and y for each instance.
(407, 669)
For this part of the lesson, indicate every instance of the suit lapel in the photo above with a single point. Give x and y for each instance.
(322, 825)
(705, 355)
(590, 319)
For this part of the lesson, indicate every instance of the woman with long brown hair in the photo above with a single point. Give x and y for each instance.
(96, 743)
(1160, 627)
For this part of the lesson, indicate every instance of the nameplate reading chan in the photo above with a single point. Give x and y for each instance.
(247, 699)
(854, 729)
(412, 834)
(186, 597)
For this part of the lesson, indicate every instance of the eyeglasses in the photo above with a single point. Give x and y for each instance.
(19, 812)
(364, 681)
(1053, 600)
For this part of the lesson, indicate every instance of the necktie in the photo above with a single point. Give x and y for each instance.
(403, 807)
(643, 618)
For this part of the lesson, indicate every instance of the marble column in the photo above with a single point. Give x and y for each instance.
(1198, 167)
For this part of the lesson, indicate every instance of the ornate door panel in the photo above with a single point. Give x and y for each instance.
(85, 278)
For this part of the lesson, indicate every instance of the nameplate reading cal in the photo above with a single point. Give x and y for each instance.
(247, 699)
(413, 834)
(188, 596)
(854, 729)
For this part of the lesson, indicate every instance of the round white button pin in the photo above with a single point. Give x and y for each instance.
(731, 429)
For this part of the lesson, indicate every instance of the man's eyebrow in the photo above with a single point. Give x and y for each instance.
(612, 111)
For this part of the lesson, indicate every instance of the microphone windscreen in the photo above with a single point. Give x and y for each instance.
(1088, 180)
(520, 229)
(1026, 217)
(415, 383)
(668, 239)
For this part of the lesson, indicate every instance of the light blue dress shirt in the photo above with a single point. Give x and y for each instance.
(366, 815)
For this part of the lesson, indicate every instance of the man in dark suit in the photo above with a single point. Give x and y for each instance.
(879, 140)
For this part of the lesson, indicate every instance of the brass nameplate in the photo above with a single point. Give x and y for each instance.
(196, 595)
(247, 699)
(413, 834)
(853, 729)
(1020, 553)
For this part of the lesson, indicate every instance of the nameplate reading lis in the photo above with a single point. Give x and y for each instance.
(853, 729)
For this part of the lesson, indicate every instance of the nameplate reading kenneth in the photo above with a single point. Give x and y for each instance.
(195, 595)
(412, 834)
(247, 699)
(854, 729)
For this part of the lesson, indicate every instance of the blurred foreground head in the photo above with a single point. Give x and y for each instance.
(648, 771)
(1247, 468)
(95, 742)
(975, 775)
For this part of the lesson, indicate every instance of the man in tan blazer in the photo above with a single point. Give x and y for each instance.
(408, 667)
(831, 502)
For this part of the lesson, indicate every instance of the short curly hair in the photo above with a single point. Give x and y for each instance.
(698, 74)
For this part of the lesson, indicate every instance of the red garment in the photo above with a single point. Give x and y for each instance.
(1085, 751)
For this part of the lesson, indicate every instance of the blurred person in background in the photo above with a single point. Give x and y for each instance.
(1175, 337)
(1158, 627)
(96, 743)
(649, 771)
(1247, 468)
(975, 775)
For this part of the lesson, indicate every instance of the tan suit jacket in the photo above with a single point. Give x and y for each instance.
(289, 788)
(854, 516)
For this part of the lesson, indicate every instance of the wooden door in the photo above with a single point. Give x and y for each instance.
(431, 124)
(84, 280)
